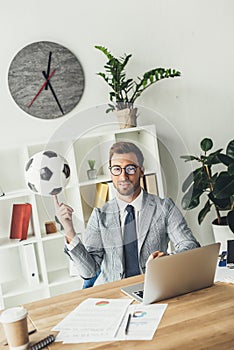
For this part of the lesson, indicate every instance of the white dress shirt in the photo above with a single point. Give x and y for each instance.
(137, 204)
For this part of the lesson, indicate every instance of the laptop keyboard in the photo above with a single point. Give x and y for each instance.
(139, 293)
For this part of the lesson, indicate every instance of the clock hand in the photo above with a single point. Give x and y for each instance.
(42, 87)
(48, 69)
(52, 90)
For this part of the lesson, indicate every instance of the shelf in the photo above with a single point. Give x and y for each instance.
(16, 194)
(51, 264)
(106, 178)
(18, 287)
(6, 243)
(27, 297)
(74, 285)
(100, 178)
(61, 276)
(51, 236)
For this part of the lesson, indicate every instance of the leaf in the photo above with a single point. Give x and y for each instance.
(206, 144)
(191, 199)
(224, 185)
(144, 82)
(187, 182)
(188, 158)
(103, 76)
(188, 203)
(230, 149)
(226, 160)
(129, 90)
(105, 51)
(231, 169)
(91, 163)
(192, 177)
(222, 204)
(109, 110)
(202, 214)
(125, 59)
(213, 158)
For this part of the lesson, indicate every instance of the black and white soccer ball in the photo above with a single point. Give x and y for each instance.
(47, 173)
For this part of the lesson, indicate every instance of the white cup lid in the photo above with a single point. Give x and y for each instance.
(13, 314)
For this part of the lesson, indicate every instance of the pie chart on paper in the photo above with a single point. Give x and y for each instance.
(102, 303)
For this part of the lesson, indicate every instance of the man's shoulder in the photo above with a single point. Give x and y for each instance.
(112, 203)
(157, 201)
(147, 199)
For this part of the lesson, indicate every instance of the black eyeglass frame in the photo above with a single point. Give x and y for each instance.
(125, 169)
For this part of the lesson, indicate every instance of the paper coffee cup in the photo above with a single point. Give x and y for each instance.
(15, 326)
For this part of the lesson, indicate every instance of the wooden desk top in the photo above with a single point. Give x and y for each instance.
(199, 320)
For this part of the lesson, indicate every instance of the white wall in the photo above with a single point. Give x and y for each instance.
(194, 36)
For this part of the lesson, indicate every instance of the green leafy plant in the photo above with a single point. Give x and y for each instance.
(91, 163)
(217, 186)
(124, 92)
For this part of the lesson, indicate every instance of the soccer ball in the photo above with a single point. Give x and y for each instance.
(47, 173)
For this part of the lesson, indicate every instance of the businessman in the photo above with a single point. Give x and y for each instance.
(129, 229)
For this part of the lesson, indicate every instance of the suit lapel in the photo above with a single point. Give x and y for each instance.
(117, 232)
(114, 226)
(148, 210)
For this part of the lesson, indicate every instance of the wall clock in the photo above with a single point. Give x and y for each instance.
(46, 80)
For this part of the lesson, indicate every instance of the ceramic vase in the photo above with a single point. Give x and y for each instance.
(127, 117)
(92, 174)
(222, 233)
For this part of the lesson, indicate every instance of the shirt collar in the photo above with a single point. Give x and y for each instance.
(136, 203)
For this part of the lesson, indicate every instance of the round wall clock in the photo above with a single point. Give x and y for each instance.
(46, 80)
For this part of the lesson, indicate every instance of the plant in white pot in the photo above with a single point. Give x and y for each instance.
(125, 91)
(92, 172)
(218, 185)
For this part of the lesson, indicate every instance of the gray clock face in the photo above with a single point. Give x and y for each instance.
(46, 80)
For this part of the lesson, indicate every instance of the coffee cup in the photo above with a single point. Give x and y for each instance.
(15, 326)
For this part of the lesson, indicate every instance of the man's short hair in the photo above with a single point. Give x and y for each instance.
(126, 147)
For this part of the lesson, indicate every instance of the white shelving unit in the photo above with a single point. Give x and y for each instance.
(52, 265)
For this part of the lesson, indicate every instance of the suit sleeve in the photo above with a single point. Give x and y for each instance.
(178, 231)
(88, 255)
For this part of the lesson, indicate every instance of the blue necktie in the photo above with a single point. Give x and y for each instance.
(130, 244)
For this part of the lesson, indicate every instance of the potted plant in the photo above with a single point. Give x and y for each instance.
(91, 172)
(125, 91)
(214, 178)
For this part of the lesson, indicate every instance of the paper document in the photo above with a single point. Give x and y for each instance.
(143, 323)
(94, 318)
(224, 274)
(99, 320)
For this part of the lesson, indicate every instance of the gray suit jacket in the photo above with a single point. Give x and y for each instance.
(161, 222)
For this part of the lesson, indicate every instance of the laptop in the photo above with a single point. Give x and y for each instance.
(176, 274)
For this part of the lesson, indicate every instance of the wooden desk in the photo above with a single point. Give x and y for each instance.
(200, 320)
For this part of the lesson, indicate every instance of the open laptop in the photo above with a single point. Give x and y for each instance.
(176, 274)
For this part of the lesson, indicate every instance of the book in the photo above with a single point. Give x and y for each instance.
(101, 194)
(30, 267)
(151, 183)
(142, 184)
(20, 219)
(111, 191)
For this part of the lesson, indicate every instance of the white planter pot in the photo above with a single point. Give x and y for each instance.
(92, 174)
(222, 233)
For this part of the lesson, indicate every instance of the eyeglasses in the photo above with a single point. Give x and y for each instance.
(130, 169)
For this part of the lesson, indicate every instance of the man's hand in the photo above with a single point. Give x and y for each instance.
(156, 254)
(64, 214)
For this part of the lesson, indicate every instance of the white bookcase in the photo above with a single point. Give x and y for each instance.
(49, 273)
